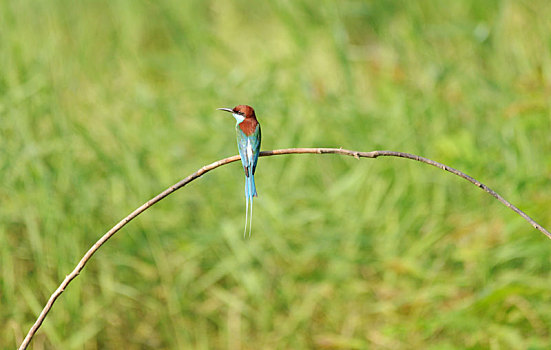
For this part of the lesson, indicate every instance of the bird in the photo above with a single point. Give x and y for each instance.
(248, 143)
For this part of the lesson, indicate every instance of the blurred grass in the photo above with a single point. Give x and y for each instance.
(103, 104)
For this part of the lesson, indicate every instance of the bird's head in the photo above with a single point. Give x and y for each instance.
(240, 112)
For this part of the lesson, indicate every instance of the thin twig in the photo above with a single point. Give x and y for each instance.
(207, 168)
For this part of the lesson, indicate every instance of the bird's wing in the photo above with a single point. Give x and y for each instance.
(256, 138)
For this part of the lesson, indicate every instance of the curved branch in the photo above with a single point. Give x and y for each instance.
(207, 168)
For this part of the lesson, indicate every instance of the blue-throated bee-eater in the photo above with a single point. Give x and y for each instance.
(248, 143)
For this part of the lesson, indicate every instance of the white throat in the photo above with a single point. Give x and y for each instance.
(238, 117)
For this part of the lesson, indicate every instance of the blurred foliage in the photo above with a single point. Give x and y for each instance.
(104, 104)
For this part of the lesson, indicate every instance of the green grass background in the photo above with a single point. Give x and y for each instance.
(104, 104)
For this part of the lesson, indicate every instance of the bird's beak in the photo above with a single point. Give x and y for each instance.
(225, 109)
